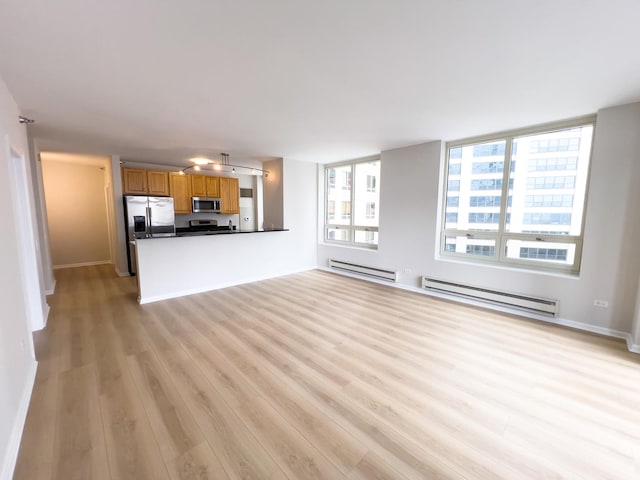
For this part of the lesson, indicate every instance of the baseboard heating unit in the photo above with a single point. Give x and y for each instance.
(543, 306)
(364, 270)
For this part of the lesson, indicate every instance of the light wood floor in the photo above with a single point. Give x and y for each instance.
(316, 375)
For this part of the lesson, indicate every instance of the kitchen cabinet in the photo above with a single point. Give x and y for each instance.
(138, 181)
(212, 185)
(180, 188)
(198, 186)
(134, 181)
(158, 183)
(229, 195)
(205, 186)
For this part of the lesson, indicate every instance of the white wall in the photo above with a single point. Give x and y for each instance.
(17, 362)
(170, 267)
(77, 211)
(409, 209)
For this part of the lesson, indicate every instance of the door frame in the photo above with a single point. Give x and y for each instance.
(26, 237)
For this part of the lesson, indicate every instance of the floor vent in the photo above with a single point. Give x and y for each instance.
(363, 270)
(531, 304)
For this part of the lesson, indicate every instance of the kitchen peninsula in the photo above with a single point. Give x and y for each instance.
(185, 264)
(190, 262)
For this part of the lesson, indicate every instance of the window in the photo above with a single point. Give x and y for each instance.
(351, 202)
(332, 178)
(346, 182)
(371, 210)
(371, 183)
(523, 201)
(331, 209)
(346, 211)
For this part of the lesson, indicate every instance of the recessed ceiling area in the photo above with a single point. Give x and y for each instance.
(316, 81)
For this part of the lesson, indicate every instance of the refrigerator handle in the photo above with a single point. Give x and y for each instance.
(149, 221)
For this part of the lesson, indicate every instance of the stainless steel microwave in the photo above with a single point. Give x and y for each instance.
(205, 205)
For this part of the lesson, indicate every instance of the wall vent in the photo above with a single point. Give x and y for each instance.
(543, 306)
(246, 192)
(364, 270)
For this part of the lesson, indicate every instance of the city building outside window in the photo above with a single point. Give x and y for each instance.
(352, 199)
(518, 198)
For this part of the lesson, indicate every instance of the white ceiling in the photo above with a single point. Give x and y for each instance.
(309, 80)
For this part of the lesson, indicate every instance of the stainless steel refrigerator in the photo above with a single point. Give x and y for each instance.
(146, 217)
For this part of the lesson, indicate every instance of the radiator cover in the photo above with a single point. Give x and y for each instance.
(543, 306)
(378, 273)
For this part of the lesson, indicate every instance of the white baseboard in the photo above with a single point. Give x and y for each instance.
(468, 301)
(633, 347)
(45, 315)
(11, 454)
(217, 286)
(52, 290)
(83, 264)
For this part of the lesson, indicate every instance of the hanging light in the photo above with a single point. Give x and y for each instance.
(199, 162)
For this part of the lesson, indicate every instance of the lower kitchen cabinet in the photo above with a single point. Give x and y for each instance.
(180, 187)
(229, 195)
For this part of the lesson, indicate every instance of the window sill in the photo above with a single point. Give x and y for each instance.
(510, 268)
(347, 245)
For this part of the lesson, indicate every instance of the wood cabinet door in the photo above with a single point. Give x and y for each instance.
(212, 186)
(198, 186)
(180, 187)
(158, 183)
(134, 181)
(229, 195)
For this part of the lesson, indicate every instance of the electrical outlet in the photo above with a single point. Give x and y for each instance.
(407, 271)
(600, 303)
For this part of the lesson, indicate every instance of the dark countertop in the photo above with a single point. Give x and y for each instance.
(214, 232)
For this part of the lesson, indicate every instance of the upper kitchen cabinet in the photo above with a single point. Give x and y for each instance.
(134, 181)
(229, 195)
(158, 183)
(137, 181)
(180, 186)
(205, 186)
(212, 186)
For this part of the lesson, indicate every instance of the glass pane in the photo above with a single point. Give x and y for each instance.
(549, 252)
(367, 194)
(549, 181)
(370, 238)
(338, 234)
(484, 247)
(338, 207)
(474, 187)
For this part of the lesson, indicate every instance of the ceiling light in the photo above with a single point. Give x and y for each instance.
(216, 166)
(200, 161)
(197, 167)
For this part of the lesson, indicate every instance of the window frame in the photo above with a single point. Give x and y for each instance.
(501, 237)
(351, 228)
